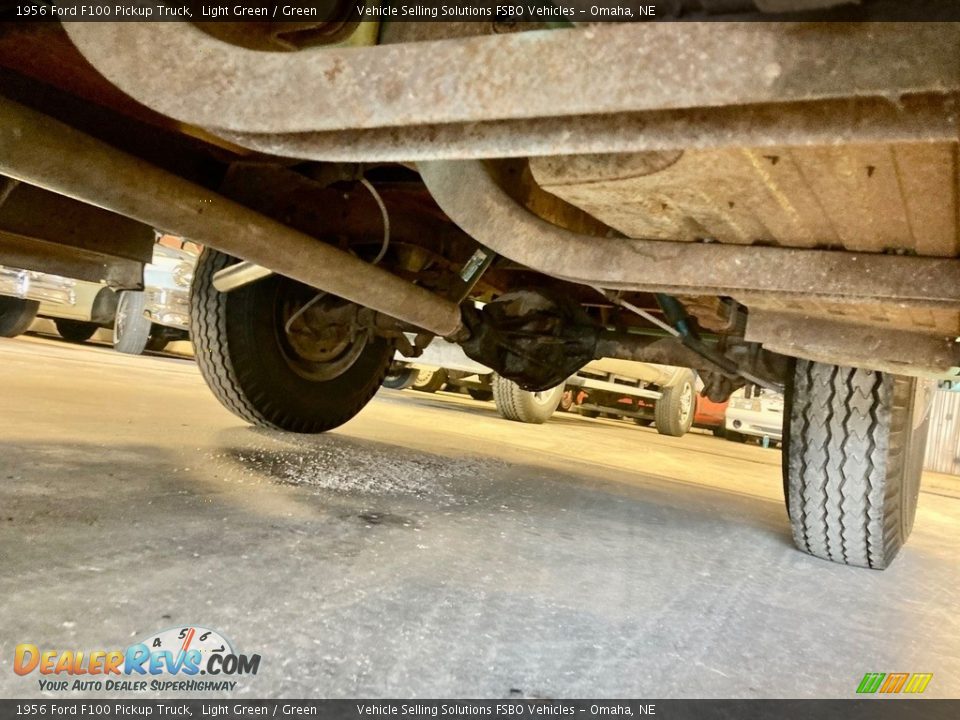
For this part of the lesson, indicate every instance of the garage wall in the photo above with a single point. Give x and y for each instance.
(943, 441)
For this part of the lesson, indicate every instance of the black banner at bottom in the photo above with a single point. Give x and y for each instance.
(860, 709)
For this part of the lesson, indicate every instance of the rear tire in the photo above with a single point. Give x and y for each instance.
(75, 331)
(131, 328)
(853, 450)
(16, 315)
(673, 413)
(515, 403)
(300, 381)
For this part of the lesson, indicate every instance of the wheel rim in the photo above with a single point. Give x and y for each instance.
(120, 321)
(423, 378)
(318, 335)
(544, 397)
(686, 403)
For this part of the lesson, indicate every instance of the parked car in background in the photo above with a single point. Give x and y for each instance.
(92, 306)
(140, 319)
(160, 313)
(22, 291)
(647, 393)
(755, 413)
(442, 363)
(634, 400)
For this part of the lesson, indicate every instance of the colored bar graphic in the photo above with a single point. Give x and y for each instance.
(918, 682)
(893, 683)
(871, 683)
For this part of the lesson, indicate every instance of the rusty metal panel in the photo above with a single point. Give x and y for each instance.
(78, 263)
(889, 316)
(943, 439)
(844, 343)
(861, 192)
(30, 212)
(864, 198)
(933, 216)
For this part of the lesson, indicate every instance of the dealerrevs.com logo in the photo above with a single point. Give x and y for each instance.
(170, 660)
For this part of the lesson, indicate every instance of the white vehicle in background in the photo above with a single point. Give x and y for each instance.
(141, 320)
(160, 313)
(90, 306)
(22, 291)
(756, 413)
(442, 363)
(647, 393)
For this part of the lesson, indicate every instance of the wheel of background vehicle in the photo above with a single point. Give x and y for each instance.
(310, 378)
(76, 331)
(400, 378)
(131, 329)
(590, 413)
(566, 401)
(515, 403)
(430, 381)
(156, 343)
(853, 446)
(643, 422)
(16, 315)
(673, 412)
(480, 394)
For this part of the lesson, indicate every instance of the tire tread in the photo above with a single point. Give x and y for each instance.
(515, 403)
(847, 439)
(241, 389)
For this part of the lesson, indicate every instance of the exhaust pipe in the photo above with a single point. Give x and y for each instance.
(41, 151)
(236, 276)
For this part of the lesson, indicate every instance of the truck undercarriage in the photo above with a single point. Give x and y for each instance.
(770, 203)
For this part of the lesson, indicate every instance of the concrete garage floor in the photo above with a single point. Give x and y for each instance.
(429, 548)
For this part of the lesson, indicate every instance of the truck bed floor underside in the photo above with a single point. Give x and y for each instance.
(863, 198)
(874, 198)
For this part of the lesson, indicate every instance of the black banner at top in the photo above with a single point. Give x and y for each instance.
(506, 12)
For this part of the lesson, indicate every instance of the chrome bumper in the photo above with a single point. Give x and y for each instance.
(168, 307)
(29, 285)
(755, 425)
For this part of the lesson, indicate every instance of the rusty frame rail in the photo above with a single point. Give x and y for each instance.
(32, 149)
(597, 88)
